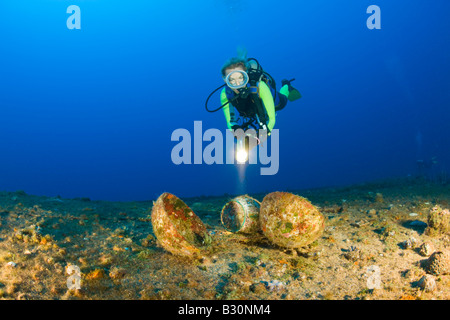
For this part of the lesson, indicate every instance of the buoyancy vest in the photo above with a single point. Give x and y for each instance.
(248, 106)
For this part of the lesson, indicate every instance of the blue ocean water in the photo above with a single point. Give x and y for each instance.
(90, 112)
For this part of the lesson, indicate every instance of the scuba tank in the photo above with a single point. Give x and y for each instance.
(256, 74)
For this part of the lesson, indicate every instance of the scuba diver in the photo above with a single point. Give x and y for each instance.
(250, 98)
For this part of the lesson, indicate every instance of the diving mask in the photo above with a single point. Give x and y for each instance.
(237, 79)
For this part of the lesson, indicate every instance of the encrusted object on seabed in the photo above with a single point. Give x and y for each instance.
(289, 220)
(241, 214)
(427, 283)
(178, 229)
(438, 263)
(438, 221)
(426, 249)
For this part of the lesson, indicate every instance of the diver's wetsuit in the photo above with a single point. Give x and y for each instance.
(246, 108)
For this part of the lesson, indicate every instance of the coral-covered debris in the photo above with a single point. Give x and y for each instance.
(178, 229)
(289, 220)
(438, 263)
(241, 214)
(438, 221)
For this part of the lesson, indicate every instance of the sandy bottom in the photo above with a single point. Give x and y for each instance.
(111, 252)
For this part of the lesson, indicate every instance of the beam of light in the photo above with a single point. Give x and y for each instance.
(241, 159)
(242, 183)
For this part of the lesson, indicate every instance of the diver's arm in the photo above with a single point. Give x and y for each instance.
(269, 105)
(229, 114)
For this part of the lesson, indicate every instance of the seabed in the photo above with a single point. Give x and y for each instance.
(370, 227)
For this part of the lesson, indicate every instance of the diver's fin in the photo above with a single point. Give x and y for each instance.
(293, 94)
